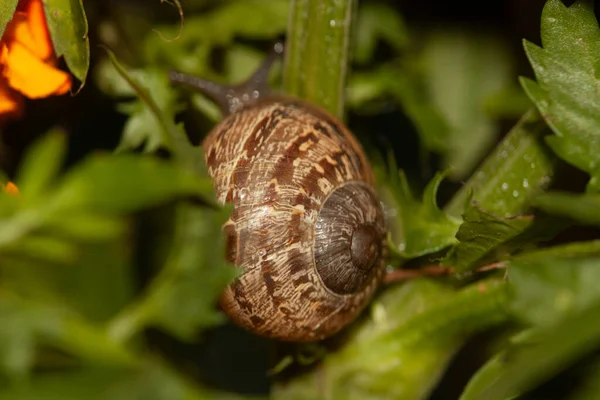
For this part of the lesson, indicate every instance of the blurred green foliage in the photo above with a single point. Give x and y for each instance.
(111, 264)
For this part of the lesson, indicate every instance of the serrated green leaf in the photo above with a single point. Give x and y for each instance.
(566, 92)
(548, 284)
(377, 21)
(420, 227)
(112, 83)
(7, 10)
(141, 129)
(584, 208)
(41, 165)
(572, 149)
(536, 357)
(483, 233)
(69, 32)
(479, 66)
(519, 169)
(153, 120)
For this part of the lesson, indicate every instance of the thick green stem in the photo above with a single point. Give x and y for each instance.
(316, 59)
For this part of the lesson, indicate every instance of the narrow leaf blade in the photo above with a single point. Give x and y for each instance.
(69, 31)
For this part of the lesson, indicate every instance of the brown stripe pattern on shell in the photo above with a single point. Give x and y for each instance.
(278, 162)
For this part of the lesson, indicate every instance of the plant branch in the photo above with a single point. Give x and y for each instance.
(317, 51)
(401, 275)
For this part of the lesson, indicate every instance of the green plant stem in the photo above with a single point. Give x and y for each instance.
(317, 52)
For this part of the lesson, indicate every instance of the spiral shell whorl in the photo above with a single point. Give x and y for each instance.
(279, 162)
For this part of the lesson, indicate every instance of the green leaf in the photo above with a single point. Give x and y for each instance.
(85, 225)
(104, 272)
(420, 227)
(566, 92)
(584, 208)
(41, 165)
(194, 277)
(150, 381)
(590, 387)
(536, 357)
(378, 21)
(69, 31)
(85, 203)
(241, 62)
(17, 340)
(154, 116)
(39, 247)
(7, 10)
(518, 170)
(548, 284)
(141, 129)
(401, 350)
(181, 298)
(462, 69)
(482, 234)
(509, 103)
(27, 323)
(99, 270)
(124, 183)
(75, 384)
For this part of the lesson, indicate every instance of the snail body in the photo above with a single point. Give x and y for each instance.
(307, 229)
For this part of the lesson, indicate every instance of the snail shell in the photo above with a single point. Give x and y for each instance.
(307, 229)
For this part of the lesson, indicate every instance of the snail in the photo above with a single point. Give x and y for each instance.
(307, 229)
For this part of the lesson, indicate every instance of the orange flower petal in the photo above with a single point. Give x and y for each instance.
(31, 76)
(65, 86)
(36, 21)
(29, 27)
(27, 58)
(11, 188)
(19, 31)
